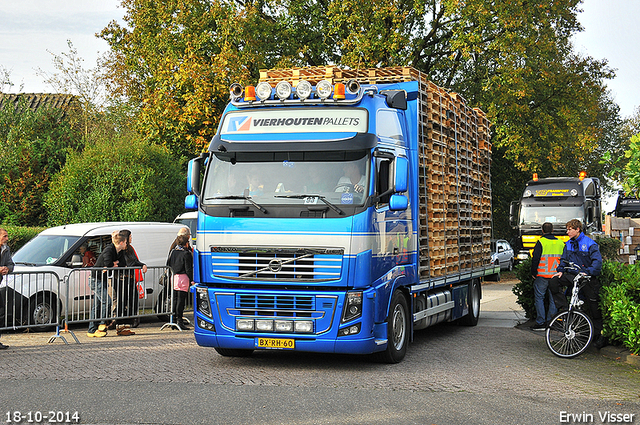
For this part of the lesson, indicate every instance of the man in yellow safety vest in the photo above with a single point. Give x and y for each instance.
(546, 257)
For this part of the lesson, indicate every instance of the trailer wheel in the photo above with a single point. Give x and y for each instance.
(473, 299)
(233, 352)
(397, 330)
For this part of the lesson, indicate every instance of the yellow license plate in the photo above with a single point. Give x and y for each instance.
(276, 343)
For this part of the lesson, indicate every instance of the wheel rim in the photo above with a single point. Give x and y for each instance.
(42, 314)
(399, 327)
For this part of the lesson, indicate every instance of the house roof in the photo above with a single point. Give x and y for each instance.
(34, 101)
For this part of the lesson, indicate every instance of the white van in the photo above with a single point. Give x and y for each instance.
(57, 250)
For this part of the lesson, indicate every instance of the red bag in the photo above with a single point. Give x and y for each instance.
(141, 293)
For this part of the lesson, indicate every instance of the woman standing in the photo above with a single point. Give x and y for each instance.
(181, 262)
(128, 296)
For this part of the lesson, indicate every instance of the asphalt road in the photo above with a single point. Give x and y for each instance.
(493, 373)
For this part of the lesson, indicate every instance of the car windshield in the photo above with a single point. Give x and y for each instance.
(336, 178)
(44, 249)
(532, 215)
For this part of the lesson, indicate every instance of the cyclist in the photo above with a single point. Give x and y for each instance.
(583, 251)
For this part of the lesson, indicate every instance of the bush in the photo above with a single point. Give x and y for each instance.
(620, 304)
(524, 289)
(609, 248)
(117, 180)
(18, 236)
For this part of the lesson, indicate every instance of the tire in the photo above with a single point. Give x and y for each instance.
(569, 334)
(42, 311)
(397, 330)
(233, 352)
(473, 301)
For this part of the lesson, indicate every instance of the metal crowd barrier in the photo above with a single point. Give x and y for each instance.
(123, 294)
(30, 300)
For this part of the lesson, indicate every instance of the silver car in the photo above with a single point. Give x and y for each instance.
(502, 254)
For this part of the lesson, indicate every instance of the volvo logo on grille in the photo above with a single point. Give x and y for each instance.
(275, 265)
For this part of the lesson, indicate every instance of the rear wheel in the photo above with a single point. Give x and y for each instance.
(233, 352)
(569, 334)
(397, 330)
(473, 301)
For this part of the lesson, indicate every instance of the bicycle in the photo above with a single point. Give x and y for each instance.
(570, 332)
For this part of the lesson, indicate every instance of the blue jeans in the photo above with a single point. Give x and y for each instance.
(540, 288)
(101, 302)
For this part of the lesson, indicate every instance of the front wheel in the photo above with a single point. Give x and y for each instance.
(43, 311)
(569, 334)
(397, 330)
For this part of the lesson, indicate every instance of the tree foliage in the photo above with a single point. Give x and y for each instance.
(33, 147)
(121, 179)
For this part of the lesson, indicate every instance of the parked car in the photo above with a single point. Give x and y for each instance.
(502, 254)
(57, 251)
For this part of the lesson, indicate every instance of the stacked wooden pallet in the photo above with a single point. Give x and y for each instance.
(455, 190)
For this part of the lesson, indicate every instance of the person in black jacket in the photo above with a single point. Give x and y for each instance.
(127, 287)
(6, 263)
(181, 262)
(98, 283)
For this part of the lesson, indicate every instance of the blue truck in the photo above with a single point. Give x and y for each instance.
(339, 211)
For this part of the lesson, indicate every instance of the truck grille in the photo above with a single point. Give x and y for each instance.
(277, 264)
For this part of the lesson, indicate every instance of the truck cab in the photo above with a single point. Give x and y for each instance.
(555, 200)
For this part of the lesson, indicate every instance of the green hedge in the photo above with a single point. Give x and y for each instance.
(19, 236)
(620, 304)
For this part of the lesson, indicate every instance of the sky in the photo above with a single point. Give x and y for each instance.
(30, 29)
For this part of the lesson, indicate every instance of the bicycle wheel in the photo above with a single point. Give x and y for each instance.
(569, 334)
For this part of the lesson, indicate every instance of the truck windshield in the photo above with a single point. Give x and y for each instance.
(339, 178)
(44, 249)
(534, 215)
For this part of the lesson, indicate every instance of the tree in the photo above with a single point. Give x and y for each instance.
(121, 179)
(33, 147)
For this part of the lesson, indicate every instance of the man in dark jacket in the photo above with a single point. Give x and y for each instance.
(546, 257)
(98, 283)
(584, 252)
(6, 263)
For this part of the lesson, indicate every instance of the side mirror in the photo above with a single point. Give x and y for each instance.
(398, 203)
(76, 260)
(191, 202)
(193, 173)
(513, 213)
(401, 174)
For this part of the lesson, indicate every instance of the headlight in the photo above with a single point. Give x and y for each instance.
(283, 90)
(303, 89)
(527, 193)
(202, 300)
(352, 307)
(574, 192)
(264, 325)
(263, 90)
(245, 325)
(323, 89)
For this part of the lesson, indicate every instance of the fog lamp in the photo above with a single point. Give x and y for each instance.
(283, 90)
(303, 90)
(264, 325)
(244, 325)
(235, 91)
(350, 330)
(323, 89)
(574, 192)
(284, 326)
(304, 326)
(263, 90)
(203, 324)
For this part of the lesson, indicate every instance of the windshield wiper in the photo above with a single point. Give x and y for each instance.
(246, 198)
(322, 198)
(24, 263)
